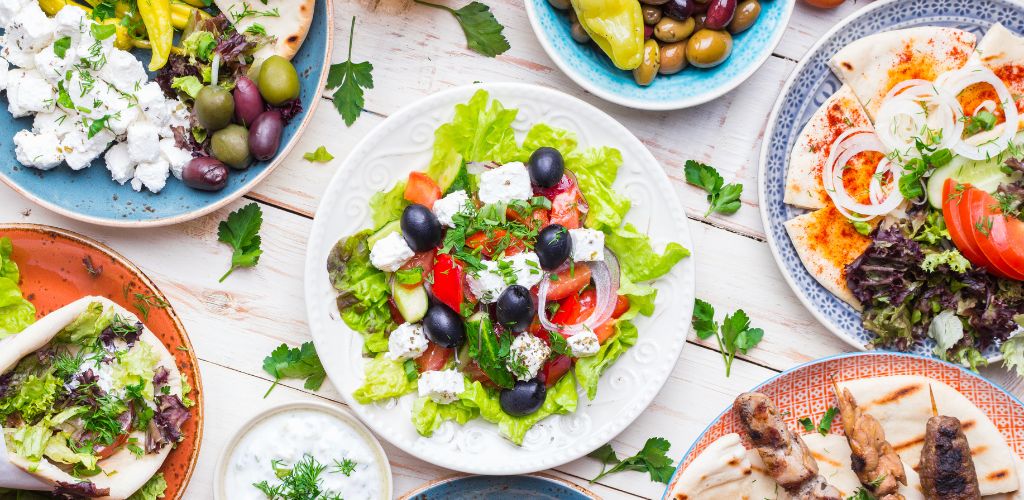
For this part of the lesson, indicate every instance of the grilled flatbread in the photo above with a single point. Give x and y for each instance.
(875, 64)
(723, 471)
(826, 243)
(1003, 52)
(290, 26)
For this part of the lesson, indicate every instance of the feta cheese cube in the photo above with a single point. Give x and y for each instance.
(151, 175)
(28, 92)
(527, 268)
(406, 342)
(446, 208)
(390, 253)
(51, 66)
(70, 22)
(154, 105)
(488, 283)
(584, 343)
(40, 150)
(5, 68)
(56, 121)
(143, 142)
(442, 386)
(508, 182)
(175, 156)
(80, 149)
(587, 245)
(10, 8)
(118, 161)
(528, 355)
(120, 121)
(124, 72)
(29, 30)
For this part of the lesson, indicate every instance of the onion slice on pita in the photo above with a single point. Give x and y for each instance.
(914, 108)
(852, 143)
(955, 82)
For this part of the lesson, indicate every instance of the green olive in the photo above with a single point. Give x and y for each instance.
(560, 4)
(746, 15)
(214, 107)
(673, 58)
(669, 30)
(652, 14)
(231, 146)
(278, 81)
(648, 69)
(707, 48)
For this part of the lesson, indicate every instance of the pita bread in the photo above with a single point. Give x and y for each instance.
(874, 64)
(902, 405)
(839, 113)
(724, 471)
(124, 472)
(1002, 52)
(826, 243)
(290, 26)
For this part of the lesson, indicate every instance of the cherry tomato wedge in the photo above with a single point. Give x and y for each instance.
(988, 230)
(575, 308)
(421, 189)
(569, 282)
(953, 199)
(605, 330)
(497, 240)
(565, 209)
(555, 369)
(537, 219)
(448, 278)
(422, 260)
(621, 306)
(434, 358)
(1015, 235)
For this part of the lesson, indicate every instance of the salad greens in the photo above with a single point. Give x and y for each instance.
(152, 490)
(16, 313)
(320, 155)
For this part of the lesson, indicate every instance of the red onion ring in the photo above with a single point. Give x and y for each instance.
(606, 283)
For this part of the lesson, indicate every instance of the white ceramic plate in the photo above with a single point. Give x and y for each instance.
(403, 143)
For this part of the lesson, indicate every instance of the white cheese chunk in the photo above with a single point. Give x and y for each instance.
(584, 344)
(10, 8)
(390, 253)
(151, 175)
(446, 208)
(124, 72)
(80, 149)
(51, 66)
(121, 167)
(527, 268)
(175, 156)
(120, 121)
(29, 30)
(154, 105)
(143, 142)
(70, 23)
(508, 182)
(587, 245)
(442, 386)
(528, 355)
(57, 121)
(407, 342)
(40, 151)
(5, 68)
(28, 92)
(488, 283)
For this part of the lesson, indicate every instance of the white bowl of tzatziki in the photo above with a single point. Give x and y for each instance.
(297, 445)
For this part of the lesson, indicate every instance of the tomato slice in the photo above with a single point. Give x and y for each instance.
(421, 189)
(422, 260)
(621, 306)
(605, 331)
(555, 369)
(569, 282)
(1014, 255)
(989, 232)
(565, 209)
(434, 358)
(537, 219)
(448, 277)
(954, 197)
(497, 240)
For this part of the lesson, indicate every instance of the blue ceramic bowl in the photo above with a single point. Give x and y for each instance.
(91, 196)
(589, 67)
(540, 487)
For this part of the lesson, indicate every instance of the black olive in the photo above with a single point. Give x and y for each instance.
(679, 10)
(553, 246)
(515, 308)
(523, 398)
(420, 228)
(546, 167)
(443, 326)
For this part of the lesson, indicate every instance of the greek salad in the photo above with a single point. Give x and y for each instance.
(494, 273)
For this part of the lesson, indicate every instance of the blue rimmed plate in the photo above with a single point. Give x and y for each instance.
(540, 486)
(591, 69)
(807, 89)
(91, 196)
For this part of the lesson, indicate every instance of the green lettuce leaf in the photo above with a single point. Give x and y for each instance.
(561, 399)
(384, 379)
(136, 367)
(57, 450)
(637, 258)
(1013, 353)
(86, 328)
(543, 135)
(427, 415)
(387, 206)
(16, 313)
(641, 297)
(34, 397)
(480, 131)
(29, 441)
(595, 171)
(363, 298)
(152, 490)
(588, 370)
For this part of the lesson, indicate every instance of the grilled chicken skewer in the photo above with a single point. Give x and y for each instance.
(876, 463)
(947, 468)
(785, 455)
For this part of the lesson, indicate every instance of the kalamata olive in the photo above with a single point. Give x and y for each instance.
(553, 246)
(720, 14)
(279, 82)
(546, 167)
(214, 107)
(708, 48)
(265, 135)
(515, 308)
(524, 398)
(652, 14)
(248, 101)
(231, 146)
(678, 9)
(747, 13)
(420, 228)
(653, 2)
(205, 173)
(673, 58)
(698, 22)
(669, 30)
(648, 69)
(560, 4)
(444, 326)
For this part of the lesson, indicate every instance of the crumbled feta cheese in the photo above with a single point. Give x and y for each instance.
(143, 142)
(121, 167)
(152, 175)
(10, 8)
(528, 355)
(124, 72)
(527, 268)
(488, 283)
(41, 150)
(153, 104)
(80, 149)
(70, 22)
(120, 121)
(390, 253)
(56, 121)
(5, 68)
(28, 92)
(51, 66)
(442, 386)
(508, 182)
(175, 156)
(29, 30)
(406, 342)
(587, 245)
(446, 208)
(584, 344)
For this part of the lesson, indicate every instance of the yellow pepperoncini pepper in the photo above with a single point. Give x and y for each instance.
(182, 13)
(51, 7)
(198, 3)
(616, 26)
(156, 15)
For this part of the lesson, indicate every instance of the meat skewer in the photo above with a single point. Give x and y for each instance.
(784, 454)
(876, 463)
(947, 468)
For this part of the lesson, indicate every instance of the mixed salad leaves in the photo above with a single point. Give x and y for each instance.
(484, 281)
(16, 313)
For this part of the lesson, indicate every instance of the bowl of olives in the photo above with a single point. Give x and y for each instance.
(659, 54)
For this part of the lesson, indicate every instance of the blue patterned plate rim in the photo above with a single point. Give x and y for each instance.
(571, 490)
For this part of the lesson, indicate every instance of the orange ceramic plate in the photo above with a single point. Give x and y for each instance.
(54, 273)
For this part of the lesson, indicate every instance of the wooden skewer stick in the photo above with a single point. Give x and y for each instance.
(935, 410)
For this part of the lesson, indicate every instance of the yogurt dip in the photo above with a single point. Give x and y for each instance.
(287, 437)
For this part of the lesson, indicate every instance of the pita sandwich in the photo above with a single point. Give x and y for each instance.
(1002, 52)
(873, 65)
(287, 21)
(104, 407)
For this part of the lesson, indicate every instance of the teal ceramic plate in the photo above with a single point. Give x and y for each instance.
(540, 487)
(91, 196)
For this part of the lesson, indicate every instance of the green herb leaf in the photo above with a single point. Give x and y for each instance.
(652, 459)
(319, 156)
(241, 231)
(735, 333)
(350, 79)
(103, 31)
(61, 46)
(558, 345)
(826, 420)
(807, 423)
(483, 31)
(104, 10)
(256, 29)
(723, 198)
(300, 363)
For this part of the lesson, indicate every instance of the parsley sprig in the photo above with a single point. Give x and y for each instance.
(824, 426)
(483, 31)
(349, 79)
(241, 231)
(724, 198)
(734, 334)
(652, 459)
(298, 362)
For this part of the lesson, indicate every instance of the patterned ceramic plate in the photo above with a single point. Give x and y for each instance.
(90, 195)
(54, 274)
(625, 389)
(589, 67)
(807, 89)
(539, 486)
(807, 390)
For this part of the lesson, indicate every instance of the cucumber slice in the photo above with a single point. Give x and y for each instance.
(394, 226)
(986, 175)
(411, 302)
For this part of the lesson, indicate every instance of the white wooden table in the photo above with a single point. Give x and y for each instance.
(234, 324)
